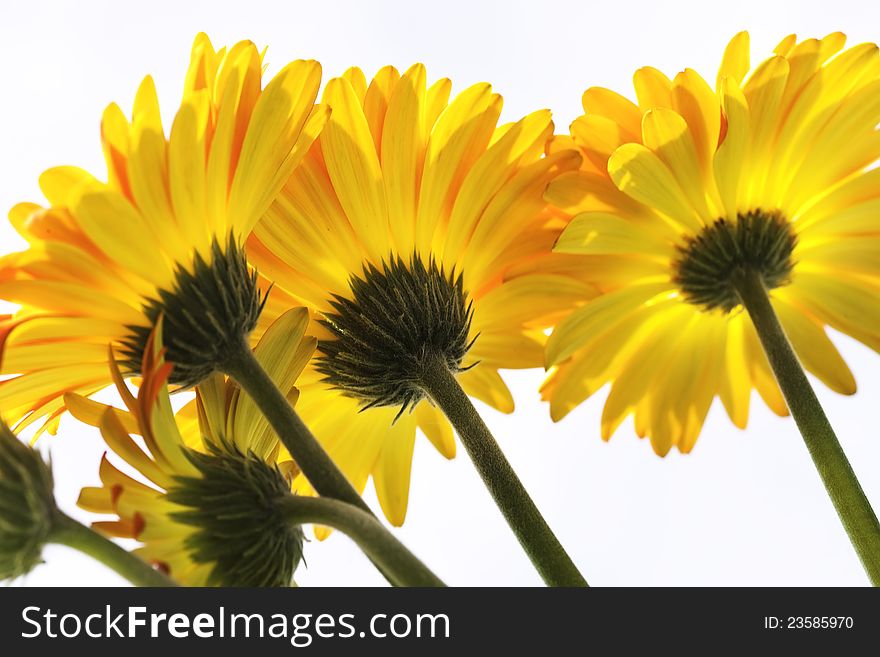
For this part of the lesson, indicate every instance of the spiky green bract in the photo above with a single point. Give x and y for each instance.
(27, 506)
(210, 310)
(708, 264)
(398, 318)
(233, 507)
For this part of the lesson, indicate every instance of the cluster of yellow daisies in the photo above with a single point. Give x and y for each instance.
(365, 246)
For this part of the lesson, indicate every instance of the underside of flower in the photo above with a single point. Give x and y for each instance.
(239, 529)
(399, 317)
(27, 506)
(210, 310)
(708, 265)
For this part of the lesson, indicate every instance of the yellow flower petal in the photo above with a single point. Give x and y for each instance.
(101, 212)
(486, 385)
(148, 170)
(529, 298)
(697, 104)
(517, 204)
(668, 135)
(602, 233)
(511, 350)
(357, 80)
(461, 133)
(597, 317)
(763, 93)
(487, 176)
(643, 176)
(604, 102)
(186, 166)
(436, 428)
(736, 386)
(582, 191)
(645, 360)
(70, 298)
(730, 157)
(599, 137)
(815, 350)
(283, 338)
(275, 141)
(653, 88)
(91, 412)
(735, 63)
(762, 376)
(843, 303)
(403, 151)
(391, 472)
(59, 184)
(375, 101)
(354, 168)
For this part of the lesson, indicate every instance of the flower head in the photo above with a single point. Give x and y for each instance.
(415, 225)
(408, 312)
(163, 236)
(772, 172)
(27, 506)
(202, 501)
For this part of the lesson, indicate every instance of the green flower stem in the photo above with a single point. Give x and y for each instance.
(535, 536)
(69, 532)
(315, 463)
(840, 481)
(396, 562)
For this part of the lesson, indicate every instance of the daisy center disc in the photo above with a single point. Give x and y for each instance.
(211, 308)
(708, 263)
(397, 317)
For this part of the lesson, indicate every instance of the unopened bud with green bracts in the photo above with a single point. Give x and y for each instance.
(27, 506)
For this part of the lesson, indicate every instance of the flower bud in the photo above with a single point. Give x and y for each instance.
(27, 505)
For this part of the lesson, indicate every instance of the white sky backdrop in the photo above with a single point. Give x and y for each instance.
(745, 508)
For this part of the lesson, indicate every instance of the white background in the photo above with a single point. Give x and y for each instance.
(745, 508)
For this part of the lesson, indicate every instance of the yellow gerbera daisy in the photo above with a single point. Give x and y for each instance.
(162, 236)
(202, 508)
(686, 190)
(414, 226)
